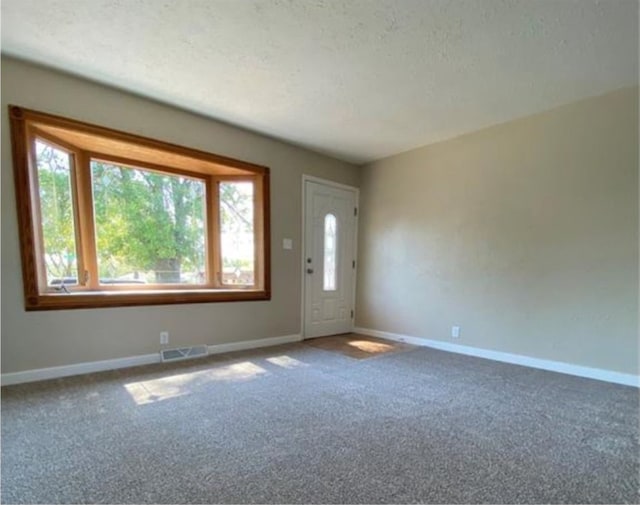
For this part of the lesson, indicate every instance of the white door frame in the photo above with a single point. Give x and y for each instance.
(303, 265)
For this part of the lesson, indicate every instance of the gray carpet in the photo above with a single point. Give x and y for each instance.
(297, 424)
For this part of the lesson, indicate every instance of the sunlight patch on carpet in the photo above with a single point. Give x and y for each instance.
(173, 386)
(285, 361)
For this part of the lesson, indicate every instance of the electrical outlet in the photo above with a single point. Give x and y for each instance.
(455, 331)
(164, 337)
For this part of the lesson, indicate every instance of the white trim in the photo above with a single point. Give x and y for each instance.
(77, 369)
(253, 344)
(303, 244)
(327, 182)
(55, 372)
(517, 359)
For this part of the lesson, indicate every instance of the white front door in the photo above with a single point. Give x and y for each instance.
(329, 259)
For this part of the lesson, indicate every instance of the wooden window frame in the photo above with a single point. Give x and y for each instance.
(85, 142)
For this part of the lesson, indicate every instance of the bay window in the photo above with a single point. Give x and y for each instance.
(110, 219)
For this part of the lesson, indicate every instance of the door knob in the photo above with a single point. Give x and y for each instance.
(309, 270)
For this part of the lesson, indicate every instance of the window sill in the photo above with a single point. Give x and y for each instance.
(85, 300)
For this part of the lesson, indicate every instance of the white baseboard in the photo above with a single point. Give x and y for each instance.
(6, 379)
(54, 372)
(253, 344)
(517, 359)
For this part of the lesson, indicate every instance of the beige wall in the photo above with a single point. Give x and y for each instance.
(524, 234)
(42, 339)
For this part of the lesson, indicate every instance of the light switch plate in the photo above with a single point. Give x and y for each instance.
(287, 243)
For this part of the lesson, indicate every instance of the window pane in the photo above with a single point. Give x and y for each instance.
(149, 226)
(237, 232)
(330, 252)
(56, 211)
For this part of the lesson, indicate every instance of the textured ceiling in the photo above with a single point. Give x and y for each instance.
(356, 79)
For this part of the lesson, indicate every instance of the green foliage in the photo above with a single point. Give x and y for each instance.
(148, 225)
(147, 221)
(236, 207)
(56, 210)
(236, 223)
